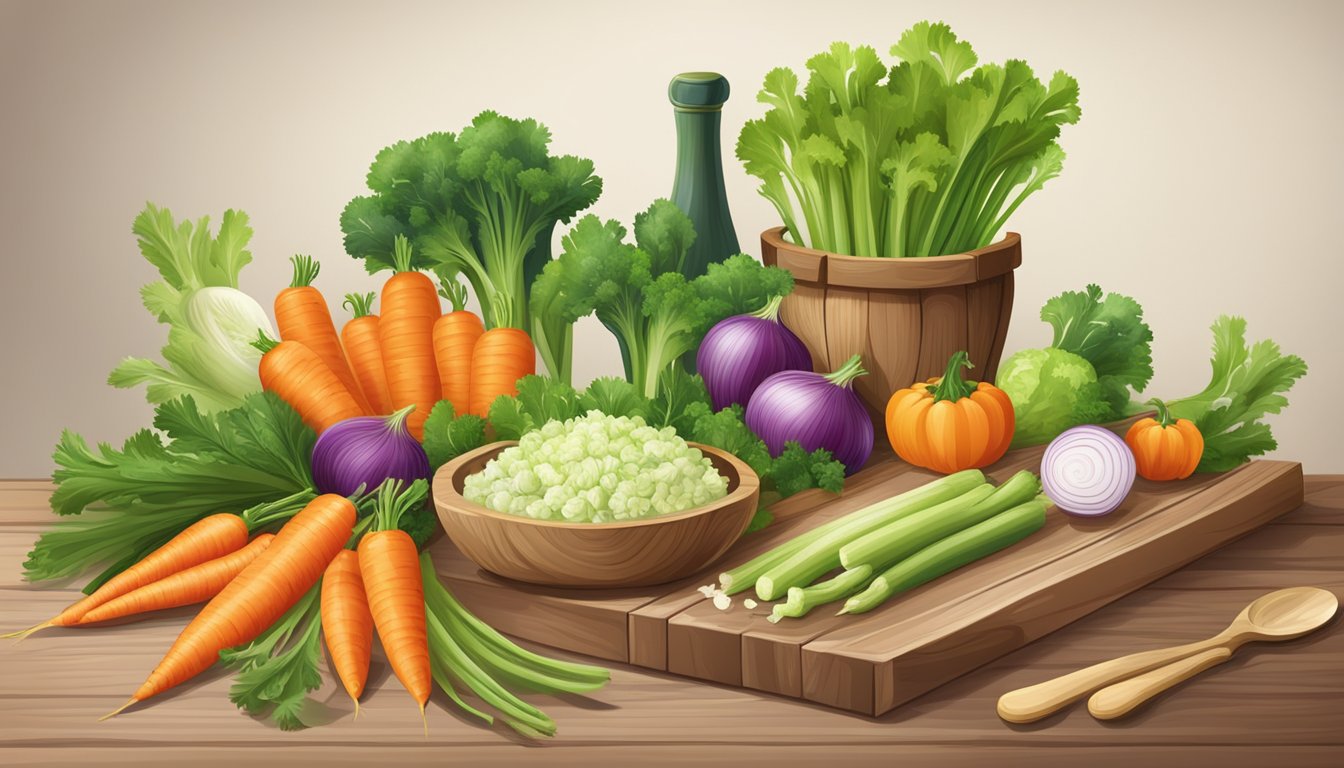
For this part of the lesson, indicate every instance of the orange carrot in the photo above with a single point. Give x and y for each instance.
(295, 373)
(301, 315)
(500, 358)
(455, 336)
(406, 333)
(347, 624)
(364, 354)
(259, 595)
(390, 567)
(194, 585)
(206, 539)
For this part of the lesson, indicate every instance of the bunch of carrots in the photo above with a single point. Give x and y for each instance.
(410, 354)
(370, 577)
(251, 584)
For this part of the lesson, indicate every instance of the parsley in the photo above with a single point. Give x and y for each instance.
(278, 669)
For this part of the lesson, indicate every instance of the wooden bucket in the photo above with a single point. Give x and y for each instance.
(904, 316)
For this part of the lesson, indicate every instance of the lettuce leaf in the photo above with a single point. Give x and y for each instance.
(1110, 334)
(1248, 383)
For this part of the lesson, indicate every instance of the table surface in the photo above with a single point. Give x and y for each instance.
(1280, 704)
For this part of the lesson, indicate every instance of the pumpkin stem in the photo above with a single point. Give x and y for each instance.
(770, 311)
(1163, 414)
(952, 386)
(847, 373)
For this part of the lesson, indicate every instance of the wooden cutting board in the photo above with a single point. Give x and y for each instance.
(873, 662)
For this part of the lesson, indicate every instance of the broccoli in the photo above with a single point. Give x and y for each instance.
(640, 294)
(481, 203)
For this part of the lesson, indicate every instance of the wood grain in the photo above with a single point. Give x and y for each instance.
(1051, 580)
(944, 330)
(860, 663)
(1271, 704)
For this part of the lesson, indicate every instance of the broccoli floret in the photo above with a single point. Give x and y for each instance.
(640, 294)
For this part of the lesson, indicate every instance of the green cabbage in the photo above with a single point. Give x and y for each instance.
(1052, 390)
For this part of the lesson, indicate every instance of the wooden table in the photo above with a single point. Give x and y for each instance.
(1280, 705)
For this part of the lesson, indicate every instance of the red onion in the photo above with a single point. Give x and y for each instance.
(817, 411)
(739, 352)
(1087, 471)
(366, 450)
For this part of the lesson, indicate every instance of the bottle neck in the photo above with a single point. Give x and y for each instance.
(698, 187)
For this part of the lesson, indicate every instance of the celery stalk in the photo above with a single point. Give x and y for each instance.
(822, 554)
(942, 489)
(900, 539)
(801, 600)
(980, 540)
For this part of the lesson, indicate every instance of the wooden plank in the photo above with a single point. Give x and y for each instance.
(771, 653)
(990, 370)
(944, 330)
(804, 312)
(792, 516)
(907, 657)
(900, 274)
(1276, 703)
(998, 258)
(984, 305)
(892, 362)
(846, 325)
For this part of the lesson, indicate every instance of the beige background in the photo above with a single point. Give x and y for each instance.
(1205, 176)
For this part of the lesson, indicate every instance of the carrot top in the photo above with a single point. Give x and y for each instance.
(278, 511)
(395, 499)
(360, 304)
(453, 291)
(305, 270)
(401, 255)
(265, 343)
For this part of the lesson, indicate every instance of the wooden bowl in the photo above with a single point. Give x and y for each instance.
(631, 553)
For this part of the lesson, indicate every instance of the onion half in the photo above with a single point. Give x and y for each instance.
(1087, 471)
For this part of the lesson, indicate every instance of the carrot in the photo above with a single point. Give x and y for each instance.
(295, 373)
(500, 358)
(301, 315)
(259, 595)
(406, 332)
(390, 567)
(347, 624)
(202, 541)
(193, 585)
(364, 354)
(455, 336)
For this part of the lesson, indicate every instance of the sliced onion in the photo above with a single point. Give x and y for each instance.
(1087, 471)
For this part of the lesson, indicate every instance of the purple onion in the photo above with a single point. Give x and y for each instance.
(365, 451)
(739, 352)
(816, 411)
(1087, 471)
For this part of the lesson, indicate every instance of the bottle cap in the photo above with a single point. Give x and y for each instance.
(698, 91)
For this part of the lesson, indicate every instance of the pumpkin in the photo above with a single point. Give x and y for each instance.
(1165, 448)
(949, 424)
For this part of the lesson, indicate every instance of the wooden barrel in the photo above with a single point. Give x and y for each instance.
(905, 316)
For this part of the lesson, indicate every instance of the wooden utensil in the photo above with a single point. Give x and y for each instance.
(1282, 615)
(1122, 698)
(632, 553)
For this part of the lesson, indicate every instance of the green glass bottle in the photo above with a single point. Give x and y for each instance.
(697, 101)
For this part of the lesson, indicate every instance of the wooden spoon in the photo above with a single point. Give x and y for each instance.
(1281, 615)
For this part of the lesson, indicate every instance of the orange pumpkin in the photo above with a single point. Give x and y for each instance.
(950, 424)
(1165, 448)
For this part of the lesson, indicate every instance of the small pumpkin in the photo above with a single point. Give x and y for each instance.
(949, 424)
(1165, 448)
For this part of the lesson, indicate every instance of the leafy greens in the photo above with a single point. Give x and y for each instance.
(479, 203)
(931, 161)
(1249, 382)
(1101, 350)
(278, 669)
(639, 292)
(209, 354)
(132, 500)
